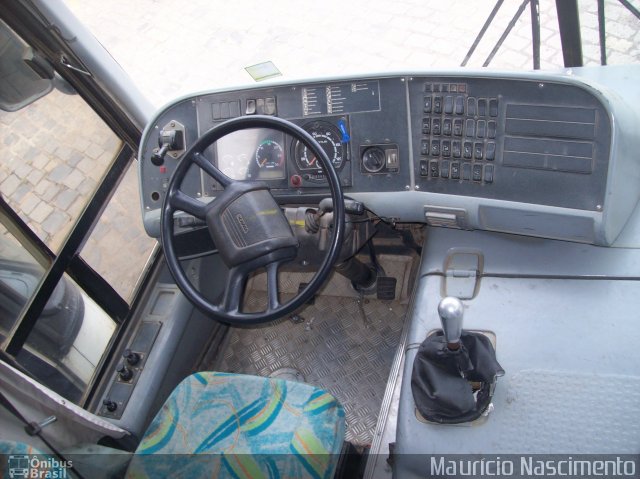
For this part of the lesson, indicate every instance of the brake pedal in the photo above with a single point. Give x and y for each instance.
(386, 288)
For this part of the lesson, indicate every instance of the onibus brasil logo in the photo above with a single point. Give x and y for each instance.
(37, 467)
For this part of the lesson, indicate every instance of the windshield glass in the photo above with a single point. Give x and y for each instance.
(170, 49)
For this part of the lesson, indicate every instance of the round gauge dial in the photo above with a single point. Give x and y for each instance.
(373, 159)
(269, 155)
(328, 137)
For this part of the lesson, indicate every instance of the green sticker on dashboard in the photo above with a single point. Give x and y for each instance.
(263, 71)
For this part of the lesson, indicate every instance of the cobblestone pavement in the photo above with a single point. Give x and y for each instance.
(174, 48)
(55, 152)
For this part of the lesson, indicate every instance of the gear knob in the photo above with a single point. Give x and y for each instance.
(451, 310)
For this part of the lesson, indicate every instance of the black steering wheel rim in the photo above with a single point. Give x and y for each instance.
(175, 200)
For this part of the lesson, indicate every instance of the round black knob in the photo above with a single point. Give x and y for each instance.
(110, 405)
(131, 357)
(124, 372)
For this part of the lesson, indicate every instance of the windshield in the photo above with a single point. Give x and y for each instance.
(170, 49)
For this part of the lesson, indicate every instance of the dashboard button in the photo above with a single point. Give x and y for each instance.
(424, 168)
(260, 106)
(426, 106)
(459, 105)
(426, 126)
(482, 107)
(436, 127)
(455, 170)
(251, 107)
(457, 127)
(434, 169)
(435, 147)
(491, 151)
(466, 171)
(234, 109)
(446, 127)
(477, 172)
(471, 106)
(468, 150)
(470, 128)
(492, 129)
(482, 128)
(448, 104)
(478, 151)
(488, 174)
(424, 147)
(456, 149)
(437, 104)
(270, 106)
(493, 107)
(444, 169)
(446, 148)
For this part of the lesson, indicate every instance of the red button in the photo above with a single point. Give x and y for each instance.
(163, 169)
(296, 180)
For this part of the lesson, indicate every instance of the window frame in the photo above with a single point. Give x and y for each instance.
(49, 42)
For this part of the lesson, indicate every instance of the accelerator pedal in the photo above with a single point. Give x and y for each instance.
(386, 288)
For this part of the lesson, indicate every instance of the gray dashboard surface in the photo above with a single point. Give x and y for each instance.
(564, 317)
(528, 153)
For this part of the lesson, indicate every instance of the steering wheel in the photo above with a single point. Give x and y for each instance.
(247, 226)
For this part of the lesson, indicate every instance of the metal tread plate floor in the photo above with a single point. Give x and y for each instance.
(344, 344)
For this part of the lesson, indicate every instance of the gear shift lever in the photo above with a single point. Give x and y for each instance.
(451, 310)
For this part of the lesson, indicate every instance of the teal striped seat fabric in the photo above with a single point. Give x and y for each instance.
(228, 426)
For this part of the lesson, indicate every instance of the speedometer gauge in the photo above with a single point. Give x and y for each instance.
(329, 139)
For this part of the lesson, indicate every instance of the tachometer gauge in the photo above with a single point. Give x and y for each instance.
(329, 139)
(269, 155)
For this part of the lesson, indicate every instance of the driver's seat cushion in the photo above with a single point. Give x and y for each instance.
(230, 425)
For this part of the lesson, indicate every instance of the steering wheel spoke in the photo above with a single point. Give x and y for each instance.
(186, 203)
(211, 170)
(272, 286)
(233, 291)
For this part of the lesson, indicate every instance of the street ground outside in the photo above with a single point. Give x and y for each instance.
(175, 48)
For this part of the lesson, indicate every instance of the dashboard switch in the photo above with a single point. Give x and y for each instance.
(456, 149)
(424, 168)
(111, 406)
(427, 104)
(448, 104)
(437, 104)
(296, 181)
(493, 107)
(392, 159)
(131, 357)
(251, 107)
(446, 127)
(444, 169)
(482, 107)
(457, 127)
(434, 169)
(488, 174)
(446, 148)
(124, 373)
(455, 170)
(478, 151)
(468, 150)
(491, 151)
(477, 172)
(270, 105)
